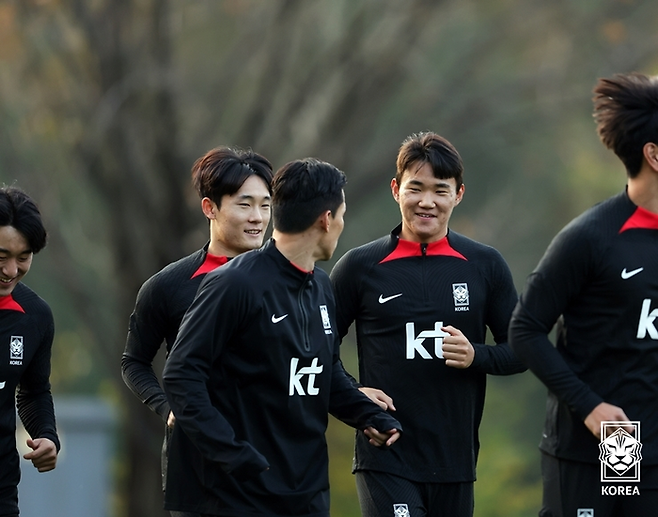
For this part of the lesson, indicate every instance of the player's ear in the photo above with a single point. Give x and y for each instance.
(460, 193)
(324, 220)
(650, 152)
(395, 190)
(209, 208)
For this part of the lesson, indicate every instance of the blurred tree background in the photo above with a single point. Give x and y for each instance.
(105, 104)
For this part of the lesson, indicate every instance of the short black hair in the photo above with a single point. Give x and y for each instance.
(18, 210)
(223, 170)
(304, 189)
(428, 147)
(626, 113)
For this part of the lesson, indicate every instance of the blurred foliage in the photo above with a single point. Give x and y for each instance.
(105, 104)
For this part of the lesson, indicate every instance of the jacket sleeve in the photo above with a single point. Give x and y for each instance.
(343, 279)
(351, 406)
(558, 277)
(146, 333)
(499, 358)
(214, 316)
(347, 296)
(34, 400)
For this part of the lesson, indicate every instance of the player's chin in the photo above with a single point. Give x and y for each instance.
(253, 240)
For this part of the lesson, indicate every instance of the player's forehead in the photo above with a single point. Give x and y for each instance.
(422, 174)
(253, 187)
(13, 242)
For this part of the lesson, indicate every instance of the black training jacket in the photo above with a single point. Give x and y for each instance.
(251, 378)
(399, 294)
(598, 280)
(26, 337)
(159, 309)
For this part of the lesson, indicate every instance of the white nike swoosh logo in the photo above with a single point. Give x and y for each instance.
(388, 298)
(2, 384)
(277, 320)
(627, 274)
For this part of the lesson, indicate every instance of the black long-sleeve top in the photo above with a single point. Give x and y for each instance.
(399, 294)
(26, 337)
(159, 309)
(598, 280)
(251, 378)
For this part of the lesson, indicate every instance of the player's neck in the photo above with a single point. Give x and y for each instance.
(298, 248)
(643, 190)
(218, 249)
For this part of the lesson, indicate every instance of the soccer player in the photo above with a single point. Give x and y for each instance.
(255, 368)
(235, 190)
(26, 337)
(422, 299)
(599, 281)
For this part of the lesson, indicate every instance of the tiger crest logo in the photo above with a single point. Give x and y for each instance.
(401, 510)
(460, 296)
(620, 452)
(16, 348)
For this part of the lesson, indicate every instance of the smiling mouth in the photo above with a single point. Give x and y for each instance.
(252, 232)
(426, 216)
(6, 281)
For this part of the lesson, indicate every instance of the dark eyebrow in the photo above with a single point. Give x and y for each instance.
(440, 184)
(247, 196)
(24, 252)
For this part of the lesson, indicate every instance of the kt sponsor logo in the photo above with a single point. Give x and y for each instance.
(415, 343)
(646, 324)
(295, 385)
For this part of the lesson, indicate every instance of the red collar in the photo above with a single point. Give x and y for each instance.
(211, 262)
(8, 303)
(406, 249)
(641, 218)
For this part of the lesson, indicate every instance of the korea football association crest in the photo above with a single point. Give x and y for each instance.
(460, 296)
(401, 510)
(326, 322)
(16, 350)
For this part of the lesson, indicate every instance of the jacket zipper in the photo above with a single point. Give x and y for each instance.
(423, 251)
(302, 310)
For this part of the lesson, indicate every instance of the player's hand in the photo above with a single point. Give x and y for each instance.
(457, 349)
(605, 412)
(171, 420)
(43, 455)
(378, 439)
(378, 397)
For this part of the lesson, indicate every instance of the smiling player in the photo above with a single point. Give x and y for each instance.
(235, 190)
(422, 299)
(26, 337)
(255, 368)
